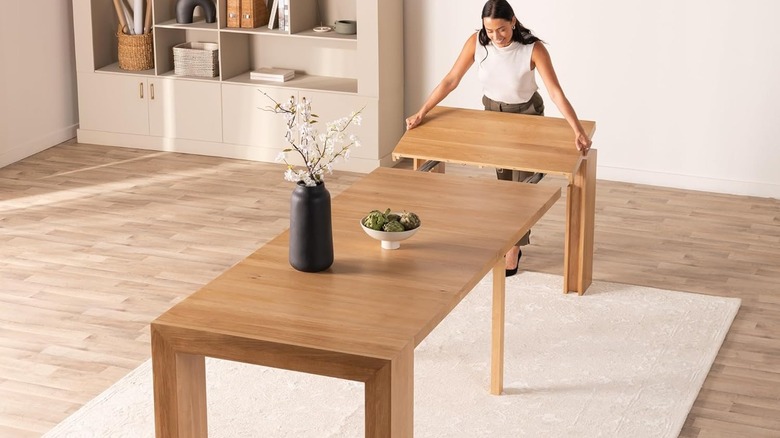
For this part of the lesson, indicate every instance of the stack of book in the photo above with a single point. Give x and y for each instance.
(272, 74)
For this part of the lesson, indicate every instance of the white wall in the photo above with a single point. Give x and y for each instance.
(685, 93)
(38, 107)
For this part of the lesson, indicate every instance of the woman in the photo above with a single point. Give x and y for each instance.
(507, 55)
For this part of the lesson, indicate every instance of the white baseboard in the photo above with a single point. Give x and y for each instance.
(32, 147)
(688, 182)
(225, 150)
(636, 176)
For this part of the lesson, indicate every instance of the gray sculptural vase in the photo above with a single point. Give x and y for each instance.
(185, 10)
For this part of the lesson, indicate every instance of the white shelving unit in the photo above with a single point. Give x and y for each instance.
(156, 109)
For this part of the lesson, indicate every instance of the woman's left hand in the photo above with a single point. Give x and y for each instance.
(583, 142)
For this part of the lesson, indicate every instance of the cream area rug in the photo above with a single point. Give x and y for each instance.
(619, 361)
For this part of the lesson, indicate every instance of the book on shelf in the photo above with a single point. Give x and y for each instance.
(272, 15)
(283, 10)
(286, 15)
(272, 74)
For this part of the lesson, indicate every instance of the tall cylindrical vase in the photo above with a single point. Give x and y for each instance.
(311, 234)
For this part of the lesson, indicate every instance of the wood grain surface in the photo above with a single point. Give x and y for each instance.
(96, 242)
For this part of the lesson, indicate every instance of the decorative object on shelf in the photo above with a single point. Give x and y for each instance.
(135, 51)
(148, 18)
(253, 13)
(185, 10)
(233, 13)
(321, 28)
(125, 17)
(196, 59)
(133, 21)
(272, 74)
(134, 41)
(345, 27)
(311, 237)
(138, 16)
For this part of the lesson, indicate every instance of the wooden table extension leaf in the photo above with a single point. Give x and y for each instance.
(520, 142)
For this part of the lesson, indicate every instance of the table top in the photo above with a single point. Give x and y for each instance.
(494, 139)
(371, 302)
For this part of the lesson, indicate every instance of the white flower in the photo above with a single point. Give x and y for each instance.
(318, 150)
(291, 175)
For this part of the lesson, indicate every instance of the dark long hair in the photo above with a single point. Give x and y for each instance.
(502, 9)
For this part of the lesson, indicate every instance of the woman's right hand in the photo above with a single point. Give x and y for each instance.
(414, 120)
(462, 64)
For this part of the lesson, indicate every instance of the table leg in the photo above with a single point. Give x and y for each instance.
(390, 398)
(580, 222)
(179, 391)
(497, 344)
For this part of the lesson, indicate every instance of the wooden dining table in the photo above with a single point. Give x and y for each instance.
(520, 142)
(360, 319)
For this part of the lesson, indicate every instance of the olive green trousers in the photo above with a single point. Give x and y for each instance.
(535, 106)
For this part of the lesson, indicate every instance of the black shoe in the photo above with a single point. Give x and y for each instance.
(511, 272)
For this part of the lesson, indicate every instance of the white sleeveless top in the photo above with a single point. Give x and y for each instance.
(506, 74)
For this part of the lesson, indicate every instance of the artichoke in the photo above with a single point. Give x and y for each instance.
(409, 220)
(375, 220)
(393, 217)
(393, 226)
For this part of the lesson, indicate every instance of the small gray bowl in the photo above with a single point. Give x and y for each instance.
(345, 27)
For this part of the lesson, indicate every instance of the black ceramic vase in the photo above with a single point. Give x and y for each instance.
(311, 234)
(185, 9)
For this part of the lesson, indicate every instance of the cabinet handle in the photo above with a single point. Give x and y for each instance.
(151, 91)
(141, 89)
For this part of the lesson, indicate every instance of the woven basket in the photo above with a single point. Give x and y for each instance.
(196, 59)
(135, 51)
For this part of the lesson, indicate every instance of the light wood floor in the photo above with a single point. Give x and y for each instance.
(95, 242)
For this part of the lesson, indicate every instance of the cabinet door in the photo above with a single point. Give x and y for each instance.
(113, 103)
(246, 123)
(333, 106)
(185, 109)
